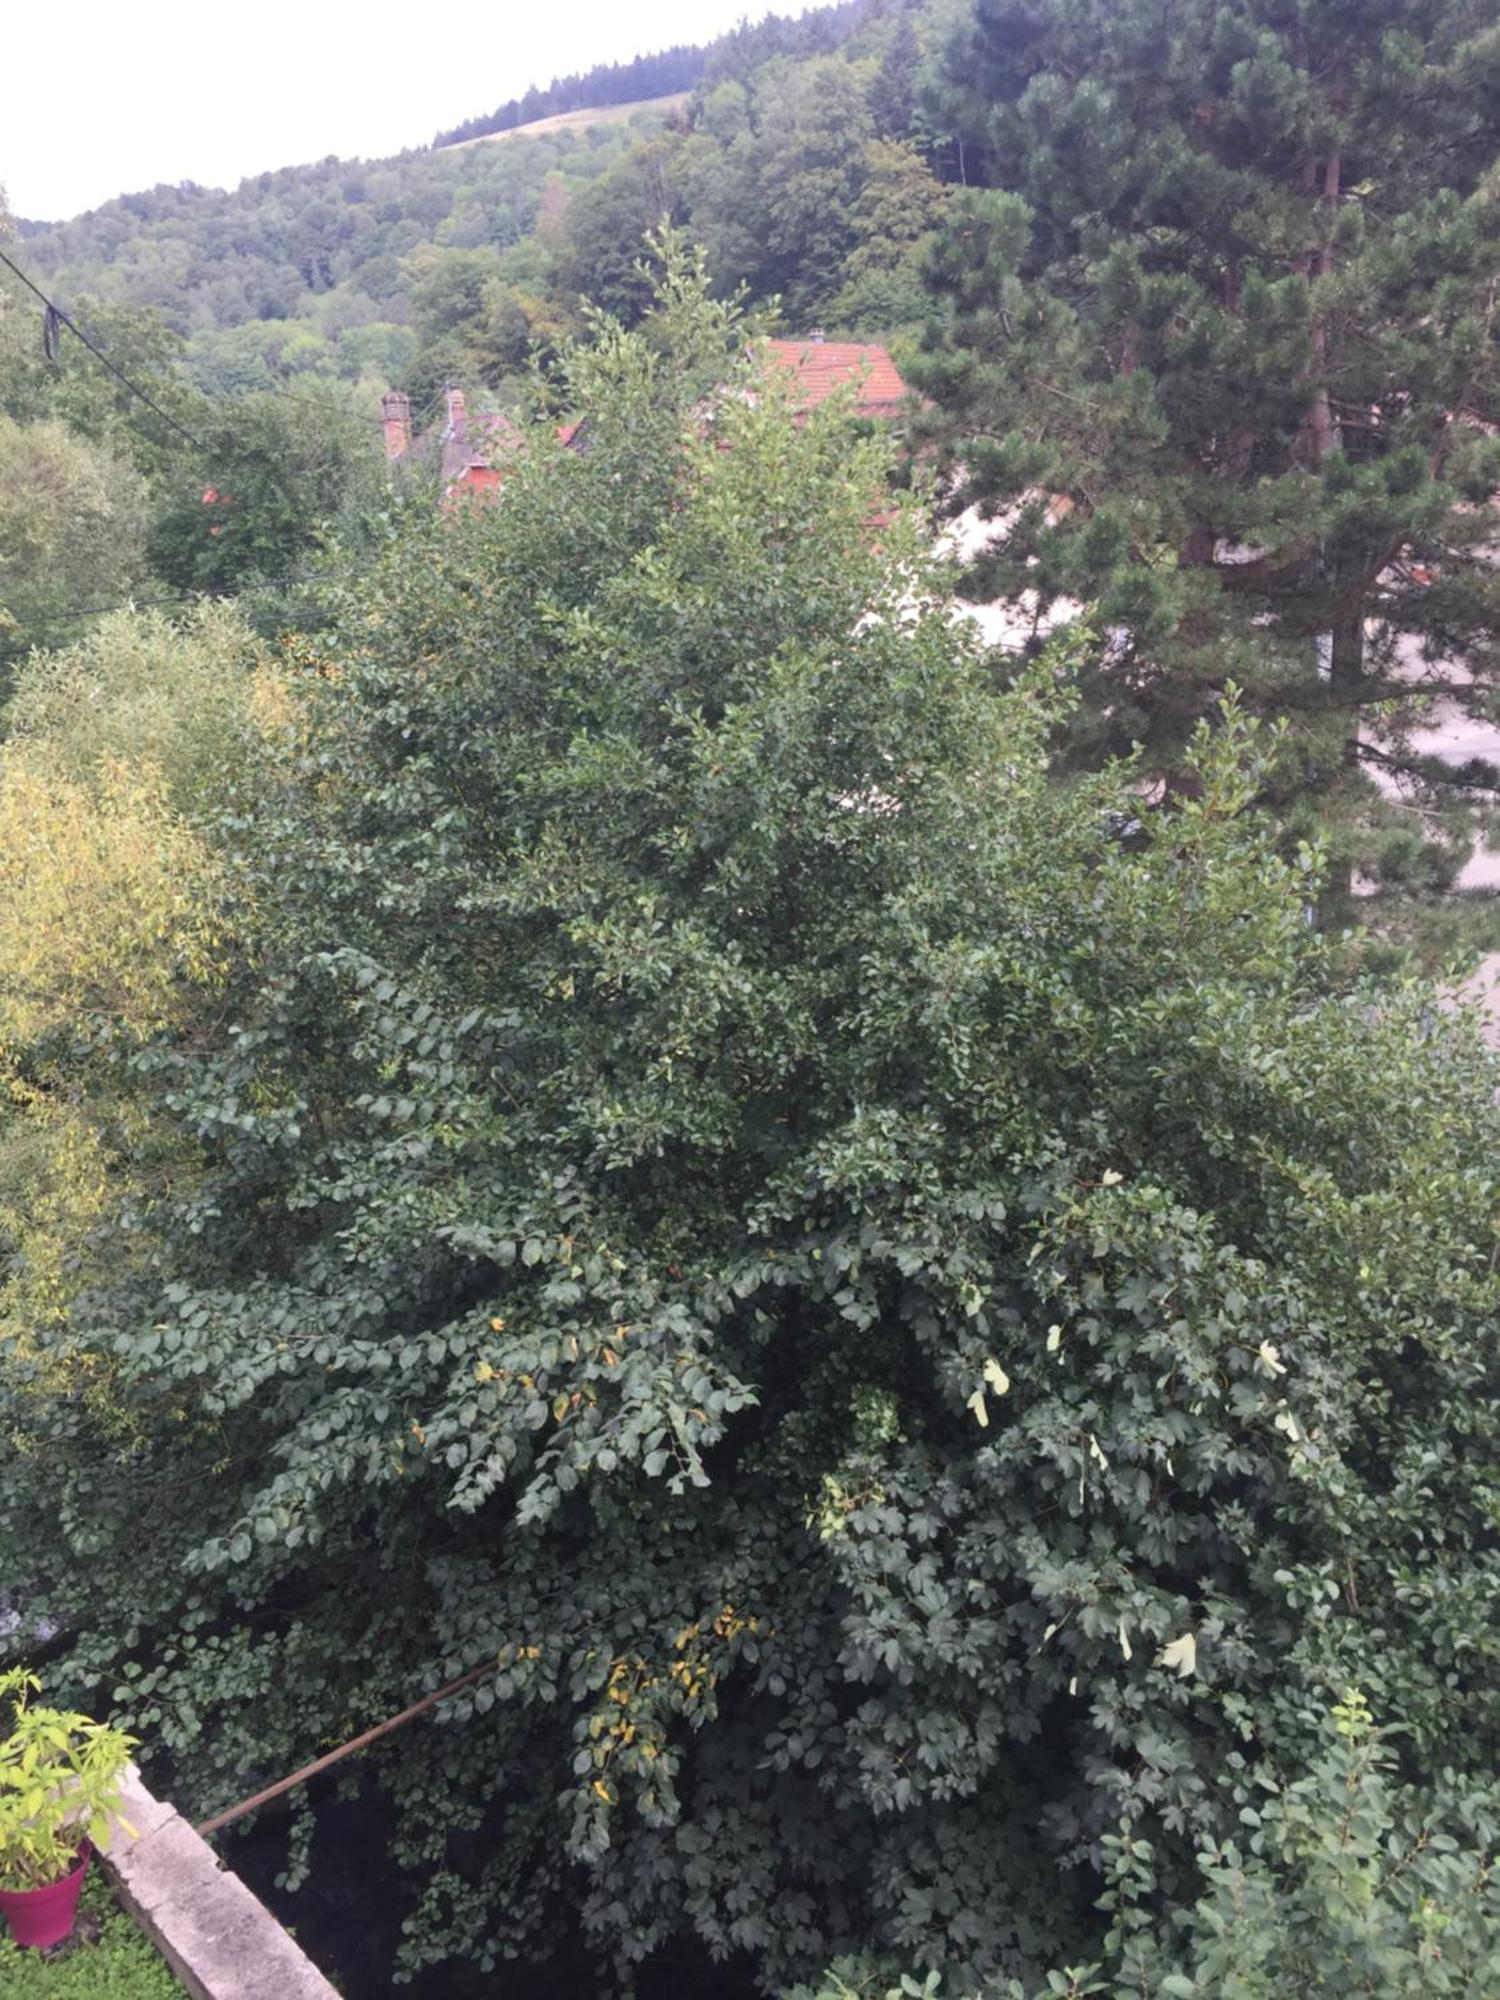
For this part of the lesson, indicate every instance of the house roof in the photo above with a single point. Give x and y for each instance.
(484, 439)
(821, 367)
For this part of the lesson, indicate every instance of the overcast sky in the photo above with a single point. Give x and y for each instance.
(103, 97)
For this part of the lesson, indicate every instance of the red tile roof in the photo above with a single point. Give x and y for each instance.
(823, 366)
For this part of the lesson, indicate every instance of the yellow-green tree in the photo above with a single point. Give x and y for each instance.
(116, 923)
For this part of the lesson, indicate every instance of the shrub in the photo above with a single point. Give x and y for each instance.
(921, 1320)
(1346, 1881)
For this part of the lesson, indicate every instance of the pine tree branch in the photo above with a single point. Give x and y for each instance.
(1431, 770)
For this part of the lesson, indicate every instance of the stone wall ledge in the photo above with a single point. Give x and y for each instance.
(219, 1939)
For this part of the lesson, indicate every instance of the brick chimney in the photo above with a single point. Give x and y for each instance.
(395, 409)
(455, 455)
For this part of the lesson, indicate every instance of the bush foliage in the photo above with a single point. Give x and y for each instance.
(1343, 1882)
(924, 1322)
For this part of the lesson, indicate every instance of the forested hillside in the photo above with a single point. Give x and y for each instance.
(662, 75)
(266, 322)
(334, 270)
(817, 32)
(369, 269)
(793, 164)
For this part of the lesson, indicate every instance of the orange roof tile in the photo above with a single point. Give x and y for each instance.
(823, 366)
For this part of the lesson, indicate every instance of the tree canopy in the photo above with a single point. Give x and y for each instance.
(919, 1320)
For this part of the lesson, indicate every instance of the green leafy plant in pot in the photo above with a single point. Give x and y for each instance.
(59, 1785)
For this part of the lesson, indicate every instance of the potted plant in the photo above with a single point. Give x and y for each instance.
(59, 1784)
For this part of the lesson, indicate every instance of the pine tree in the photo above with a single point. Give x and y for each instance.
(893, 89)
(1222, 356)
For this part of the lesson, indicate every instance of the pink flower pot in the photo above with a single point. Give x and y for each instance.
(40, 1917)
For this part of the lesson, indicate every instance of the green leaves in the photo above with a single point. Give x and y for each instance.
(59, 1780)
(907, 1328)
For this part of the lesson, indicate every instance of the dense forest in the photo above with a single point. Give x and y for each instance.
(793, 165)
(880, 1232)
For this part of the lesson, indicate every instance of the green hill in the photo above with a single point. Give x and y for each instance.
(792, 162)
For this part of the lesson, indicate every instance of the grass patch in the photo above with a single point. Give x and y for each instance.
(105, 1959)
(576, 121)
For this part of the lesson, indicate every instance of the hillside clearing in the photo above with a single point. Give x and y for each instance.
(575, 121)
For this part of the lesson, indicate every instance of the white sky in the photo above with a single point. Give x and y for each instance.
(104, 97)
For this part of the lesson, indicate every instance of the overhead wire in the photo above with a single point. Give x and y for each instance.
(56, 317)
(63, 319)
(291, 581)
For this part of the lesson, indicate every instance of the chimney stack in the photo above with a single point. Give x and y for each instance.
(455, 451)
(395, 409)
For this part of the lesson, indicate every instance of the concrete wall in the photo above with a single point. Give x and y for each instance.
(220, 1940)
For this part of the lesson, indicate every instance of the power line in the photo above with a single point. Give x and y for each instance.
(307, 402)
(245, 589)
(56, 316)
(99, 355)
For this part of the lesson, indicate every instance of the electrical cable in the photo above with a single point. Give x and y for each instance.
(98, 353)
(245, 589)
(55, 313)
(55, 317)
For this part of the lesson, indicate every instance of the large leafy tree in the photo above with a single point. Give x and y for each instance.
(263, 492)
(893, 89)
(905, 1330)
(1236, 306)
(814, 128)
(900, 202)
(75, 389)
(599, 256)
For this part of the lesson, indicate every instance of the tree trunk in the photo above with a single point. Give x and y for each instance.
(1320, 434)
(1198, 549)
